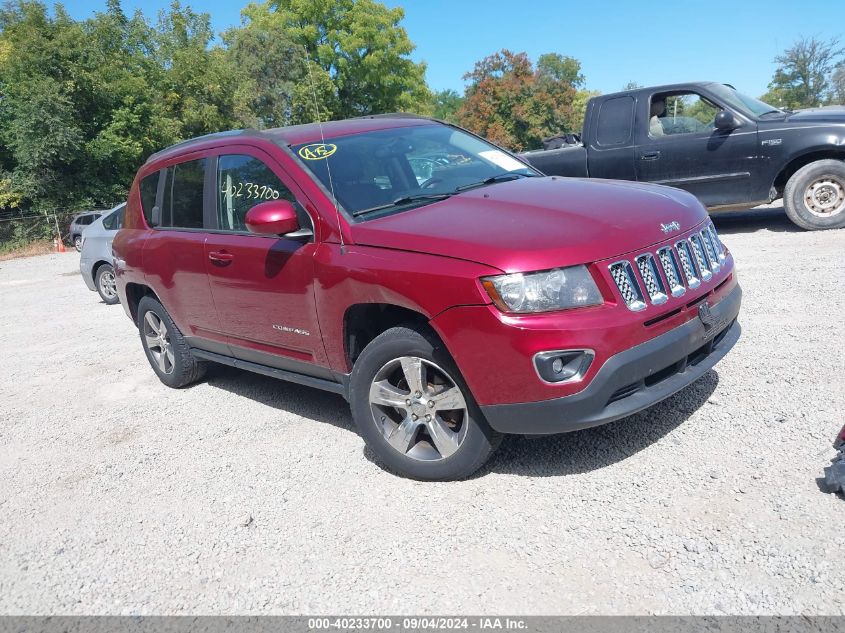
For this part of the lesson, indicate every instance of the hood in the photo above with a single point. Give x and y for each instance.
(538, 223)
(833, 114)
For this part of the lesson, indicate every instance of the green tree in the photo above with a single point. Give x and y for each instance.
(446, 104)
(361, 47)
(560, 69)
(514, 105)
(802, 78)
(837, 85)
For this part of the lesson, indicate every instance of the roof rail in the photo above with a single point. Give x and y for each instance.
(394, 115)
(197, 139)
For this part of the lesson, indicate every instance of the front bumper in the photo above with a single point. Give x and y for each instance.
(85, 269)
(631, 380)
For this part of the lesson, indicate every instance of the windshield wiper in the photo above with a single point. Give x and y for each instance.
(405, 200)
(773, 112)
(493, 179)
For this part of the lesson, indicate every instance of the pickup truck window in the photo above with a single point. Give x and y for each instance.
(680, 113)
(615, 121)
(392, 170)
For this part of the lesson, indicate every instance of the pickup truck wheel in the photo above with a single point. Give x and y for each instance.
(169, 354)
(414, 410)
(814, 197)
(106, 286)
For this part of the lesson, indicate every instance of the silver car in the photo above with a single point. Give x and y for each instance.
(95, 262)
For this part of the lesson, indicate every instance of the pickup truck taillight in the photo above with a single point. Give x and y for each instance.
(839, 442)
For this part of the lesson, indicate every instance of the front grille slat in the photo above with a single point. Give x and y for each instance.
(651, 278)
(623, 274)
(720, 248)
(700, 257)
(669, 271)
(710, 249)
(688, 264)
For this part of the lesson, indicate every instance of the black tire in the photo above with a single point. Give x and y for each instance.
(104, 281)
(77, 243)
(479, 440)
(184, 369)
(797, 196)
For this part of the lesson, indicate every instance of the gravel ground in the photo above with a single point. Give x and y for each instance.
(248, 495)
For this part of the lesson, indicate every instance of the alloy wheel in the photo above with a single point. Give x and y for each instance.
(107, 285)
(157, 341)
(419, 408)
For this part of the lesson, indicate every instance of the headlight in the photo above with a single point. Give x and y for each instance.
(556, 289)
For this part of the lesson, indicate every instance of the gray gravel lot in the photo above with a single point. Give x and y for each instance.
(248, 495)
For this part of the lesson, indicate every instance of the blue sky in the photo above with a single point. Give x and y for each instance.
(616, 41)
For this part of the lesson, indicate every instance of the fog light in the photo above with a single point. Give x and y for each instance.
(563, 365)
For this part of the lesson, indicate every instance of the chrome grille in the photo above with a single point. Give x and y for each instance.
(651, 278)
(672, 271)
(710, 249)
(623, 274)
(688, 264)
(700, 257)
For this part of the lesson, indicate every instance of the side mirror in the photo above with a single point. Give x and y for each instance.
(726, 121)
(155, 216)
(274, 217)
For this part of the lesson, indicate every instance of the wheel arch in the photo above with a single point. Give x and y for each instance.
(802, 160)
(362, 322)
(96, 267)
(134, 293)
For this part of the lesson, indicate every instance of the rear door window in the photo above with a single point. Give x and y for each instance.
(182, 203)
(615, 121)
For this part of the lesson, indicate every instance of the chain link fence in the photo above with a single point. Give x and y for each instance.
(18, 229)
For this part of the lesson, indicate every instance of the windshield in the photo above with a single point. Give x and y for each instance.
(749, 106)
(385, 171)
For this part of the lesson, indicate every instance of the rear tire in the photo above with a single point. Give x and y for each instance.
(106, 287)
(169, 354)
(77, 243)
(814, 197)
(442, 434)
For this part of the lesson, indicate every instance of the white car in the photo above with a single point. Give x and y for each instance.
(95, 262)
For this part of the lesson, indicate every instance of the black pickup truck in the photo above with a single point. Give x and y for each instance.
(730, 150)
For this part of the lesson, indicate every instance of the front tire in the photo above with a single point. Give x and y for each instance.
(814, 197)
(414, 410)
(167, 350)
(106, 286)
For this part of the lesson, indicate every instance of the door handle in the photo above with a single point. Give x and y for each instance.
(650, 156)
(221, 257)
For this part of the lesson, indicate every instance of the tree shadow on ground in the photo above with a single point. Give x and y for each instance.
(555, 455)
(595, 448)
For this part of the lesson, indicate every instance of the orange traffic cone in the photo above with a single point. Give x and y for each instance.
(61, 246)
(58, 245)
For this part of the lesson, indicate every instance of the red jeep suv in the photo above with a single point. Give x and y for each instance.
(448, 290)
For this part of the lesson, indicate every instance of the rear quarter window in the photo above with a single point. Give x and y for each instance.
(148, 189)
(615, 121)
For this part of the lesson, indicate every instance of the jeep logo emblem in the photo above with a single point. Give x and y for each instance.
(671, 226)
